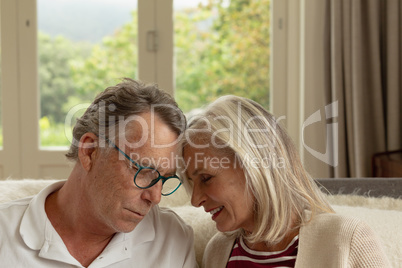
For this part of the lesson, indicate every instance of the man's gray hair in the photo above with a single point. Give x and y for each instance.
(121, 101)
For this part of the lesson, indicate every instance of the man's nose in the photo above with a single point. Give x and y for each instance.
(154, 193)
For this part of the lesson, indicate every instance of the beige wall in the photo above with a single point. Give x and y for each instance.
(298, 78)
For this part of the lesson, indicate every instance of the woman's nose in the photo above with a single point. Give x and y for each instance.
(198, 197)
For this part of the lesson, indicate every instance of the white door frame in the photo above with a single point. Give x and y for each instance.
(155, 43)
(10, 155)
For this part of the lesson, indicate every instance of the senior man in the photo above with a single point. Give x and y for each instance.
(106, 213)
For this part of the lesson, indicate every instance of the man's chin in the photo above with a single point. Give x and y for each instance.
(126, 227)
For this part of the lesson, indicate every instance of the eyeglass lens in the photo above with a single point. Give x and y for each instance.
(146, 177)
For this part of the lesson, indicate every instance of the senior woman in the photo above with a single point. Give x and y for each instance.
(242, 167)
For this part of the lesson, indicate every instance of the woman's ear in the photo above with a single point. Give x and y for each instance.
(87, 150)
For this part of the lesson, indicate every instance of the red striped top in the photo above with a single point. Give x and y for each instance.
(244, 257)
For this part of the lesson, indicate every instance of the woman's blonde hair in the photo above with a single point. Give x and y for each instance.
(281, 187)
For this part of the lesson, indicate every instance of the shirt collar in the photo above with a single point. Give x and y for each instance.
(32, 228)
(38, 234)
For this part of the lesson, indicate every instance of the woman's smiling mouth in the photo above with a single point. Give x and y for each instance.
(215, 212)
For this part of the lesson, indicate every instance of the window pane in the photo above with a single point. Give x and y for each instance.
(83, 46)
(221, 47)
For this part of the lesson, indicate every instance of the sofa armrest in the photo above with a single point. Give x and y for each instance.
(374, 187)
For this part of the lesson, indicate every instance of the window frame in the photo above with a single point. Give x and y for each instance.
(22, 156)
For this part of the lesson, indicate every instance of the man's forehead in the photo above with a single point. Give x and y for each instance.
(147, 131)
(136, 128)
(166, 161)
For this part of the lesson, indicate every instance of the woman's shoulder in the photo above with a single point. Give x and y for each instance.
(221, 239)
(332, 228)
(332, 221)
(340, 237)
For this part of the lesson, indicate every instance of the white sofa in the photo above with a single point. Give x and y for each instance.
(383, 214)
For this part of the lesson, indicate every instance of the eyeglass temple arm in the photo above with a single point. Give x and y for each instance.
(123, 153)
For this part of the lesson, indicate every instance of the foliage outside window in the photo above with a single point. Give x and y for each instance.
(232, 57)
(219, 49)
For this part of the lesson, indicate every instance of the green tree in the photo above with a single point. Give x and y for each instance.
(191, 41)
(73, 73)
(116, 57)
(219, 50)
(55, 81)
(233, 57)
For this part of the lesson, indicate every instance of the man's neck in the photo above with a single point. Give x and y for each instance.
(82, 236)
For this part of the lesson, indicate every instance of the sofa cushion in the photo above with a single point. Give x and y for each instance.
(384, 215)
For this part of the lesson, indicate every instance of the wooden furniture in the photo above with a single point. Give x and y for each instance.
(387, 164)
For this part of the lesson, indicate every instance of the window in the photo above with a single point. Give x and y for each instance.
(82, 47)
(187, 47)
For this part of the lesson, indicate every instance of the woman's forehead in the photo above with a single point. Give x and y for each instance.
(207, 158)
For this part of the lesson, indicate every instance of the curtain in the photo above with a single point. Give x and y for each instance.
(363, 61)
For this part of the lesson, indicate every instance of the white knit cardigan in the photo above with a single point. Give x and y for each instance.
(329, 240)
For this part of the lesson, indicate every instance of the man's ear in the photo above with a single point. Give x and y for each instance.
(87, 149)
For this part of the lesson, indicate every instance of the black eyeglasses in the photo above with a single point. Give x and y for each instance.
(146, 177)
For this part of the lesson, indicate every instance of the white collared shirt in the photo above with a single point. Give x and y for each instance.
(28, 239)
